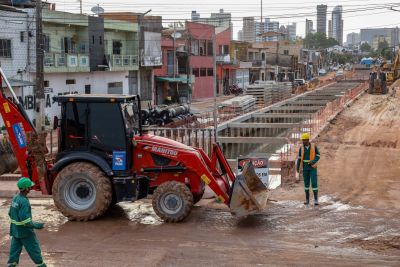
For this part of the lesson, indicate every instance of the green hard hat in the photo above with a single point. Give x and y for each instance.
(25, 183)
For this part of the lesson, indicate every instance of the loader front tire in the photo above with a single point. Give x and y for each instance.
(82, 192)
(172, 201)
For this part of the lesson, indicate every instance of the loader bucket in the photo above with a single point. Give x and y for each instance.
(249, 195)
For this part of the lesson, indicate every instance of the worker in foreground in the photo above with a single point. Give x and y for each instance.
(22, 227)
(308, 159)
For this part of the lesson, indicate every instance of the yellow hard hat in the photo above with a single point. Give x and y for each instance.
(305, 136)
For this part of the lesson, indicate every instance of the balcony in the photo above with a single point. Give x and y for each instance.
(123, 62)
(63, 62)
(223, 59)
(258, 63)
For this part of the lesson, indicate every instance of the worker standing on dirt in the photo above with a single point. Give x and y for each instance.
(22, 227)
(308, 158)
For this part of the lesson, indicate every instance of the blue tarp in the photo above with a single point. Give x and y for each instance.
(367, 61)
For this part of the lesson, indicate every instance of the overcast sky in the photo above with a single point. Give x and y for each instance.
(356, 14)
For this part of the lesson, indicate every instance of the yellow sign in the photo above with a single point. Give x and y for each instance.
(6, 107)
(205, 179)
(8, 124)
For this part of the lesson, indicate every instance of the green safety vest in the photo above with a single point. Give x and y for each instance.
(21, 217)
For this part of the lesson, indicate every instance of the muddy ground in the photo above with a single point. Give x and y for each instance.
(357, 223)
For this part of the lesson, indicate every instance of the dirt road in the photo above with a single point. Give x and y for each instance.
(357, 223)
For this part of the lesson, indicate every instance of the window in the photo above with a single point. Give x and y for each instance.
(203, 72)
(92, 39)
(22, 37)
(46, 43)
(115, 88)
(87, 89)
(210, 72)
(5, 48)
(68, 45)
(100, 40)
(117, 45)
(226, 50)
(195, 47)
(196, 72)
(286, 52)
(202, 48)
(103, 117)
(170, 62)
(72, 81)
(210, 50)
(46, 84)
(75, 125)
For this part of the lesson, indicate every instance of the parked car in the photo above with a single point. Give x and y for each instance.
(339, 73)
(299, 82)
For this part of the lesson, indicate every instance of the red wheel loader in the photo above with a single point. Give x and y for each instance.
(104, 157)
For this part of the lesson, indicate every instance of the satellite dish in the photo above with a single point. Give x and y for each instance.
(97, 10)
(176, 35)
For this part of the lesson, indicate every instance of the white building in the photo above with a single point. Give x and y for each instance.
(271, 26)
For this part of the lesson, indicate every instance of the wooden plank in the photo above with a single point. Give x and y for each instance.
(252, 140)
(265, 125)
(296, 108)
(274, 115)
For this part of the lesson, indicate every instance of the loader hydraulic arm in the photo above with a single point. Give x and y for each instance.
(18, 125)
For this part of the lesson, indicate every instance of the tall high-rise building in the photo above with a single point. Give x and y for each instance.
(249, 27)
(321, 18)
(292, 32)
(337, 24)
(195, 16)
(259, 28)
(271, 26)
(240, 35)
(330, 29)
(220, 19)
(353, 39)
(309, 26)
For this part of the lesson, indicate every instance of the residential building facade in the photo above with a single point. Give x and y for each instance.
(321, 18)
(16, 42)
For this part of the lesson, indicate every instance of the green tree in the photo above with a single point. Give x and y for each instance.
(318, 41)
(365, 47)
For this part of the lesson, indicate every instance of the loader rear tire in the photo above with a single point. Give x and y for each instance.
(172, 201)
(82, 192)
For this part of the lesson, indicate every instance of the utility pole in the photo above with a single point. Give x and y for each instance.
(80, 5)
(215, 115)
(39, 90)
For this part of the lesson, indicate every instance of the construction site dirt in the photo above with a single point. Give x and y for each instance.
(356, 224)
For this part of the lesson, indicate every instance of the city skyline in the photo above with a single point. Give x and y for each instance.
(282, 11)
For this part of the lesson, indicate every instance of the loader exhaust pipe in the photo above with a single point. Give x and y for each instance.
(248, 195)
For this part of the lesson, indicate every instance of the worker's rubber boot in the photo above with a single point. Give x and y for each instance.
(316, 198)
(307, 202)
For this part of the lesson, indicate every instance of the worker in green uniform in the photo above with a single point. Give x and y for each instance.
(308, 158)
(22, 227)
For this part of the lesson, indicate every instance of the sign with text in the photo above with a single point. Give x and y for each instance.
(260, 166)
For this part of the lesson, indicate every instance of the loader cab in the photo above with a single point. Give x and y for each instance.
(100, 125)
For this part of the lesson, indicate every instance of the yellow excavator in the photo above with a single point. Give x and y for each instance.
(377, 82)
